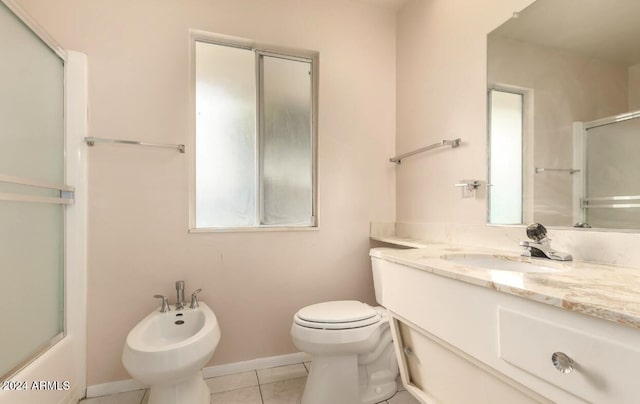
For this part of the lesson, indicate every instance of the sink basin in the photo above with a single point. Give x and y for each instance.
(506, 263)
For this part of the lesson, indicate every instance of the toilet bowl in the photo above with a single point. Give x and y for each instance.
(167, 352)
(353, 359)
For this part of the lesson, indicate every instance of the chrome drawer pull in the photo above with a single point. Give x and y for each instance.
(562, 362)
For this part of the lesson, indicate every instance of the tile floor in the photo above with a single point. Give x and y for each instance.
(279, 385)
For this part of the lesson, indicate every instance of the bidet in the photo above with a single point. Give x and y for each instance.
(167, 351)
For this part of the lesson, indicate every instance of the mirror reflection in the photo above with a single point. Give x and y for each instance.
(564, 109)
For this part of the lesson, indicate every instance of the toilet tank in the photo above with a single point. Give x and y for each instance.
(378, 268)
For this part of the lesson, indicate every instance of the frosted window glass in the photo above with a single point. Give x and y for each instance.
(225, 136)
(287, 166)
(31, 103)
(254, 139)
(505, 170)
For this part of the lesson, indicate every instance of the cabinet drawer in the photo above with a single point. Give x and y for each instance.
(604, 371)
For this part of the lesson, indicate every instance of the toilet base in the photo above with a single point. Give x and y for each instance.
(372, 395)
(192, 390)
(332, 380)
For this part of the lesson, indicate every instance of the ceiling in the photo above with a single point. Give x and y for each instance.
(603, 29)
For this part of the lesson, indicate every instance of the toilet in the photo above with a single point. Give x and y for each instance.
(353, 359)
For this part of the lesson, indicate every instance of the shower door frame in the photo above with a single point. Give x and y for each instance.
(65, 358)
(580, 188)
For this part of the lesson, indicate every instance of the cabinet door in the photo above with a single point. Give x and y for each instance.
(435, 373)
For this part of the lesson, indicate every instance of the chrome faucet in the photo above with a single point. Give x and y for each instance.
(194, 299)
(180, 289)
(165, 303)
(540, 245)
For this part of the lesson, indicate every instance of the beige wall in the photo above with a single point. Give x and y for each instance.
(441, 94)
(567, 87)
(634, 87)
(138, 241)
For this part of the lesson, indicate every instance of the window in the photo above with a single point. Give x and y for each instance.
(254, 138)
(506, 154)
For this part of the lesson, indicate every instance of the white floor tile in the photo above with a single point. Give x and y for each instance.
(281, 373)
(248, 395)
(130, 397)
(403, 397)
(285, 392)
(399, 383)
(232, 382)
(308, 366)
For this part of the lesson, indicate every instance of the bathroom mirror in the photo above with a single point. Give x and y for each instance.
(564, 115)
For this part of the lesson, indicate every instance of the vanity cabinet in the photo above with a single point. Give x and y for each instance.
(460, 343)
(439, 373)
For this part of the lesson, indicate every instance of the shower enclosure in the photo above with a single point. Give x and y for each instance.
(42, 213)
(607, 149)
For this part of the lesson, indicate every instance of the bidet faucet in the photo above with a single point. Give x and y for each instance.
(165, 303)
(194, 299)
(540, 245)
(180, 291)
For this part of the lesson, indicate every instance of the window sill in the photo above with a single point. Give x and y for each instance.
(252, 229)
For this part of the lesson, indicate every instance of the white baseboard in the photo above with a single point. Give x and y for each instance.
(255, 364)
(122, 386)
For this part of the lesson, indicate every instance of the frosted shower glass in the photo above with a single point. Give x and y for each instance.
(31, 103)
(225, 136)
(32, 259)
(613, 169)
(286, 144)
(31, 234)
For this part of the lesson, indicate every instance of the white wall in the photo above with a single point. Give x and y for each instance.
(138, 210)
(441, 93)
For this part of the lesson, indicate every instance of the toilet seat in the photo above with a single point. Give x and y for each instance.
(337, 315)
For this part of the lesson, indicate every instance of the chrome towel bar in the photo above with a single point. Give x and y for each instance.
(587, 203)
(4, 196)
(453, 143)
(91, 141)
(34, 183)
(566, 170)
(66, 192)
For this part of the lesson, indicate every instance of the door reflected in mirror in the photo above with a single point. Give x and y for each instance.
(564, 134)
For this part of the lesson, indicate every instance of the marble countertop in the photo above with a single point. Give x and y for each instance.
(605, 291)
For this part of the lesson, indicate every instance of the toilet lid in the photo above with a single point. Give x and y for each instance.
(344, 311)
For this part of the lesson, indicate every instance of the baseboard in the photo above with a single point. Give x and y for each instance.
(122, 386)
(255, 364)
(73, 397)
